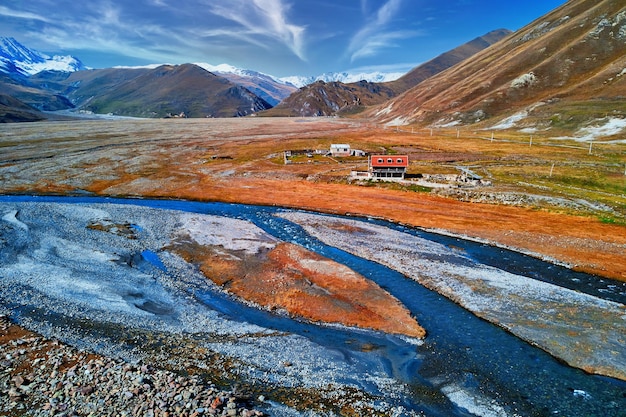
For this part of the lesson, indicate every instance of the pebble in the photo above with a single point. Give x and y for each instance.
(48, 389)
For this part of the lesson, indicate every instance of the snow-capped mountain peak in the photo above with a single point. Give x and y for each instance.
(18, 59)
(344, 77)
(300, 81)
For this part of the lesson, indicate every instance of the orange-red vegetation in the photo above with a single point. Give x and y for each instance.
(295, 280)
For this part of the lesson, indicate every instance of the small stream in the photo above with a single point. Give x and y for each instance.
(466, 366)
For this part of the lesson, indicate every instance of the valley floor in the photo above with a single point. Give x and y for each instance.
(240, 160)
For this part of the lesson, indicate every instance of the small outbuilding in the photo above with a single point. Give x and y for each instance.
(340, 150)
(388, 166)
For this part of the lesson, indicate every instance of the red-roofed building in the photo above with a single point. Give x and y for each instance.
(388, 166)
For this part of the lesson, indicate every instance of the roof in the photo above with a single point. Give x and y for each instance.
(389, 161)
(339, 145)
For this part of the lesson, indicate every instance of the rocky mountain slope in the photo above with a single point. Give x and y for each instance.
(327, 99)
(447, 60)
(563, 71)
(39, 98)
(330, 98)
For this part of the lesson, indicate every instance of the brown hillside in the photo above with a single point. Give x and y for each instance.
(328, 99)
(573, 54)
(82, 86)
(173, 90)
(13, 110)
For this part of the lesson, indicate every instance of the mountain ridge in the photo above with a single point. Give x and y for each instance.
(337, 98)
(540, 77)
(345, 77)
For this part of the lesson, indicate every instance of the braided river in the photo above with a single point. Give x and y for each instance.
(55, 274)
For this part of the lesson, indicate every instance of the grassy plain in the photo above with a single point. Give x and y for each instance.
(550, 197)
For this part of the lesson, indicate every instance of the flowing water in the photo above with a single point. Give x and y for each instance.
(466, 366)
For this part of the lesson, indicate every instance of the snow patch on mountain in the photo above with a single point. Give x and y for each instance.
(15, 58)
(398, 121)
(268, 87)
(604, 128)
(511, 121)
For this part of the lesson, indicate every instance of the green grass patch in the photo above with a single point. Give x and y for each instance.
(607, 219)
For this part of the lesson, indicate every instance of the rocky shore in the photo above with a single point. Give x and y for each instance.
(41, 377)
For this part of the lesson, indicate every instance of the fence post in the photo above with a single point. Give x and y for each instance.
(531, 141)
(590, 146)
(551, 169)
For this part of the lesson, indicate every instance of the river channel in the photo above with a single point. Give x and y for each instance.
(465, 366)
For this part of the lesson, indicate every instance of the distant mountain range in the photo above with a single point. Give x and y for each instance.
(344, 77)
(564, 72)
(50, 83)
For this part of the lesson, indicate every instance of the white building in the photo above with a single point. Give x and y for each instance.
(339, 150)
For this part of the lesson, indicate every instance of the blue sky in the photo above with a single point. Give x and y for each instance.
(278, 37)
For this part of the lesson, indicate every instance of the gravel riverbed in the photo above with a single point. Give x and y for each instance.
(100, 278)
(43, 377)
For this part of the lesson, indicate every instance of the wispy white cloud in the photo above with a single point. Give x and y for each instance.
(244, 35)
(266, 18)
(376, 35)
(5, 11)
(104, 26)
